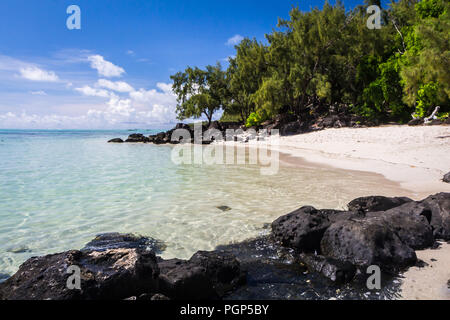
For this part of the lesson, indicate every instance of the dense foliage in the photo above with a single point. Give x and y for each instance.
(329, 56)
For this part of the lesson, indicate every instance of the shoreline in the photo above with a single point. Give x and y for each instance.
(364, 214)
(414, 157)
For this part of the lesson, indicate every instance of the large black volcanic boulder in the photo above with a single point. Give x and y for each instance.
(110, 274)
(446, 178)
(414, 230)
(366, 242)
(376, 203)
(439, 206)
(181, 280)
(302, 229)
(137, 137)
(116, 140)
(207, 275)
(436, 210)
(335, 270)
(222, 268)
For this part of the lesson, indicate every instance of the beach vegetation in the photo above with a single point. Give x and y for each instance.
(316, 60)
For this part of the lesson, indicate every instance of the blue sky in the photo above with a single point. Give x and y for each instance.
(115, 71)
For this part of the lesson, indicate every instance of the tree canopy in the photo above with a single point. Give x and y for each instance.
(329, 56)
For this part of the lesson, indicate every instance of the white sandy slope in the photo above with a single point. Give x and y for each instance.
(415, 157)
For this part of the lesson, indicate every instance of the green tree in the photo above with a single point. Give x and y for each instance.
(244, 75)
(200, 92)
(427, 58)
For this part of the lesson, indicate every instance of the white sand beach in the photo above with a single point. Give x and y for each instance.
(415, 157)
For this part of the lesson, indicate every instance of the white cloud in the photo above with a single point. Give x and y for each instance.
(119, 86)
(236, 39)
(34, 73)
(38, 93)
(130, 52)
(144, 108)
(105, 68)
(92, 92)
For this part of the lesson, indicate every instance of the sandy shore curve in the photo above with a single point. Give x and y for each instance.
(415, 157)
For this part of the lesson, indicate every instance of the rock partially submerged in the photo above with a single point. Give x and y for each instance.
(137, 138)
(446, 178)
(108, 241)
(332, 244)
(122, 266)
(106, 275)
(19, 249)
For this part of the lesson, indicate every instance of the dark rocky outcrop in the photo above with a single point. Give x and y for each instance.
(376, 203)
(207, 275)
(446, 178)
(276, 273)
(302, 229)
(436, 210)
(439, 206)
(110, 274)
(335, 270)
(222, 268)
(365, 242)
(181, 279)
(137, 138)
(331, 244)
(116, 140)
(412, 228)
(117, 266)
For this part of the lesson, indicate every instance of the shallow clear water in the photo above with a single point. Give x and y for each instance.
(58, 189)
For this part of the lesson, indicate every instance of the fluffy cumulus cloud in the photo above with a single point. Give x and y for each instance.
(121, 107)
(34, 73)
(119, 86)
(235, 40)
(105, 68)
(93, 92)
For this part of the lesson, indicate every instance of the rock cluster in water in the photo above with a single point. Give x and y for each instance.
(335, 247)
(286, 124)
(117, 266)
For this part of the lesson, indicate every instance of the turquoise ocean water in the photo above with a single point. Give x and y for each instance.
(58, 189)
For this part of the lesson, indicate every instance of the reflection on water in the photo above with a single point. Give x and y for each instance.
(57, 191)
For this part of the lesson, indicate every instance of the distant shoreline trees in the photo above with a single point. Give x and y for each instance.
(328, 56)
